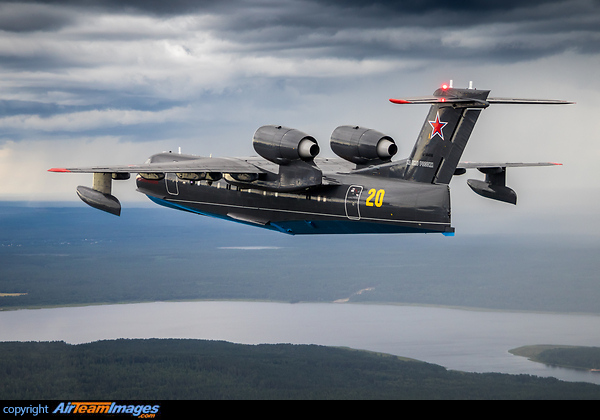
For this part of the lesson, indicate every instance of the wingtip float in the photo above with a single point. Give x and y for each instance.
(289, 189)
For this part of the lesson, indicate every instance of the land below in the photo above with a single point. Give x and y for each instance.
(171, 369)
(66, 256)
(60, 256)
(572, 357)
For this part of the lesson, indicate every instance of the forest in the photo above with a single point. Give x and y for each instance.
(573, 357)
(176, 369)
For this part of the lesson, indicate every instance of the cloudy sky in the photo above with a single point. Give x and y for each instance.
(86, 82)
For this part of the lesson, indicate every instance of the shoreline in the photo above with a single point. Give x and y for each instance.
(532, 352)
(335, 302)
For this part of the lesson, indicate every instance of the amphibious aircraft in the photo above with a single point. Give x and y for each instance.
(289, 189)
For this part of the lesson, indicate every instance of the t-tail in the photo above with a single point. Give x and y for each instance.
(436, 155)
(445, 133)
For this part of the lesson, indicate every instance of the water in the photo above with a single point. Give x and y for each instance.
(466, 340)
(69, 255)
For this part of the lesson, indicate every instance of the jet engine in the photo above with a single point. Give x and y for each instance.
(362, 145)
(283, 145)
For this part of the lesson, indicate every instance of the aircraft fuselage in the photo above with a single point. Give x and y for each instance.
(351, 203)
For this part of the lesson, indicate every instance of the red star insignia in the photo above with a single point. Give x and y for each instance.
(437, 126)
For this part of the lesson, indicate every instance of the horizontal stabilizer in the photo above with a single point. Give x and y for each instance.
(437, 100)
(484, 103)
(517, 101)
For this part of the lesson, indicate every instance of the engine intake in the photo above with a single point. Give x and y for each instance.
(362, 145)
(283, 145)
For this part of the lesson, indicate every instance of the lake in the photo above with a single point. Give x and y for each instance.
(466, 340)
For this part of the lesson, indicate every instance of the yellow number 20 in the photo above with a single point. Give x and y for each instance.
(378, 195)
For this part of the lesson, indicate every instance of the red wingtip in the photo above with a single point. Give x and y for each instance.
(399, 101)
(58, 170)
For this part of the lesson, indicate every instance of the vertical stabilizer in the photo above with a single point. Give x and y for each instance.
(444, 134)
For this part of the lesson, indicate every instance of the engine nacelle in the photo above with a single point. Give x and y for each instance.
(283, 145)
(362, 145)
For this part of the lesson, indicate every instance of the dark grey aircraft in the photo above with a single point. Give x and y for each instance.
(289, 189)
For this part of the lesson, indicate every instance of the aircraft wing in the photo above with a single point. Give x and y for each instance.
(483, 165)
(99, 196)
(494, 185)
(202, 164)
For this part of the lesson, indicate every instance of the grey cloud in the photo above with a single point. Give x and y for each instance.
(413, 30)
(155, 7)
(357, 29)
(283, 33)
(21, 20)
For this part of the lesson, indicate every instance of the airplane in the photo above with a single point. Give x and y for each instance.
(290, 190)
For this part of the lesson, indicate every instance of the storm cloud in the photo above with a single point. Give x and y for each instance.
(150, 54)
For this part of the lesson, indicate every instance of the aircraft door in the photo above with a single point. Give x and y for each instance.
(352, 201)
(171, 183)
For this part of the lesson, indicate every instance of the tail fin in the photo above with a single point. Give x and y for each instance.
(447, 129)
(444, 134)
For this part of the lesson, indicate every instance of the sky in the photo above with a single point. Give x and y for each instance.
(92, 82)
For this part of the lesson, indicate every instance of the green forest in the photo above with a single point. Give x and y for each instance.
(172, 369)
(572, 357)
